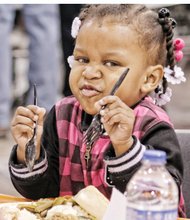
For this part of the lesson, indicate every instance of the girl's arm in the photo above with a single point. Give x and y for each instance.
(161, 137)
(43, 181)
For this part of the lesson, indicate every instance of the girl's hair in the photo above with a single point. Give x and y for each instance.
(154, 30)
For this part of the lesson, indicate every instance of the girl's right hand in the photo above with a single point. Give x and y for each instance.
(22, 128)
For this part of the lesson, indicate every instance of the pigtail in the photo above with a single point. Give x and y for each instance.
(168, 24)
(172, 73)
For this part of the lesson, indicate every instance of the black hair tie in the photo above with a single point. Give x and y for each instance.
(164, 12)
(173, 22)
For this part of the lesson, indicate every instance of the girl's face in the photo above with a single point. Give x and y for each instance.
(102, 53)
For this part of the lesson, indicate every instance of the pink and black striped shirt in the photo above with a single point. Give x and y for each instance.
(152, 129)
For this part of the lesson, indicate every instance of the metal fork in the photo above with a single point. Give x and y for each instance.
(30, 150)
(96, 127)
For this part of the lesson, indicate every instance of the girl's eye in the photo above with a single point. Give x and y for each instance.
(82, 59)
(110, 63)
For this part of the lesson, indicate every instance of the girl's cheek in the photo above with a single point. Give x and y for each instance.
(72, 80)
(77, 69)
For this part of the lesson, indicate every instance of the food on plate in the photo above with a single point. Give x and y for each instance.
(88, 204)
(60, 208)
(93, 201)
(14, 213)
(67, 212)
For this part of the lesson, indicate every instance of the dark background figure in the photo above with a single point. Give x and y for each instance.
(67, 13)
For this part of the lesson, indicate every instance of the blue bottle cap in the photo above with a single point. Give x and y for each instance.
(155, 155)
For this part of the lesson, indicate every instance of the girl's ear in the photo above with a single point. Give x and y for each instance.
(152, 78)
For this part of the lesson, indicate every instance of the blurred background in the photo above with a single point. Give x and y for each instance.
(22, 62)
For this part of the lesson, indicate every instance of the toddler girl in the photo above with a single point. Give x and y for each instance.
(109, 39)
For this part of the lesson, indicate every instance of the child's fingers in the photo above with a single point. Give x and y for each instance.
(31, 112)
(118, 118)
(39, 113)
(27, 116)
(125, 112)
(108, 114)
(99, 104)
(22, 128)
(107, 101)
(23, 116)
(36, 109)
(19, 119)
(113, 116)
(114, 107)
(24, 111)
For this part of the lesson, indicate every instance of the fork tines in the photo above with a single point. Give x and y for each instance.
(94, 131)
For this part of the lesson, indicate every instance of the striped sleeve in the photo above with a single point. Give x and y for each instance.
(20, 171)
(118, 168)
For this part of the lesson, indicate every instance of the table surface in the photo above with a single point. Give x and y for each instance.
(9, 199)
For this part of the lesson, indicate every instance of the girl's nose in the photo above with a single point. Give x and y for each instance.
(91, 73)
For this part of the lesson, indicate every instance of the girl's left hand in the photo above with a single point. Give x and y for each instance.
(118, 120)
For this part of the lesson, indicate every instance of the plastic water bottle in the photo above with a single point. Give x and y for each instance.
(152, 194)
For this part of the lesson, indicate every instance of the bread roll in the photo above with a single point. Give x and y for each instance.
(93, 201)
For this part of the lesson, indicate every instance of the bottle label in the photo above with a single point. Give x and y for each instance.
(134, 214)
